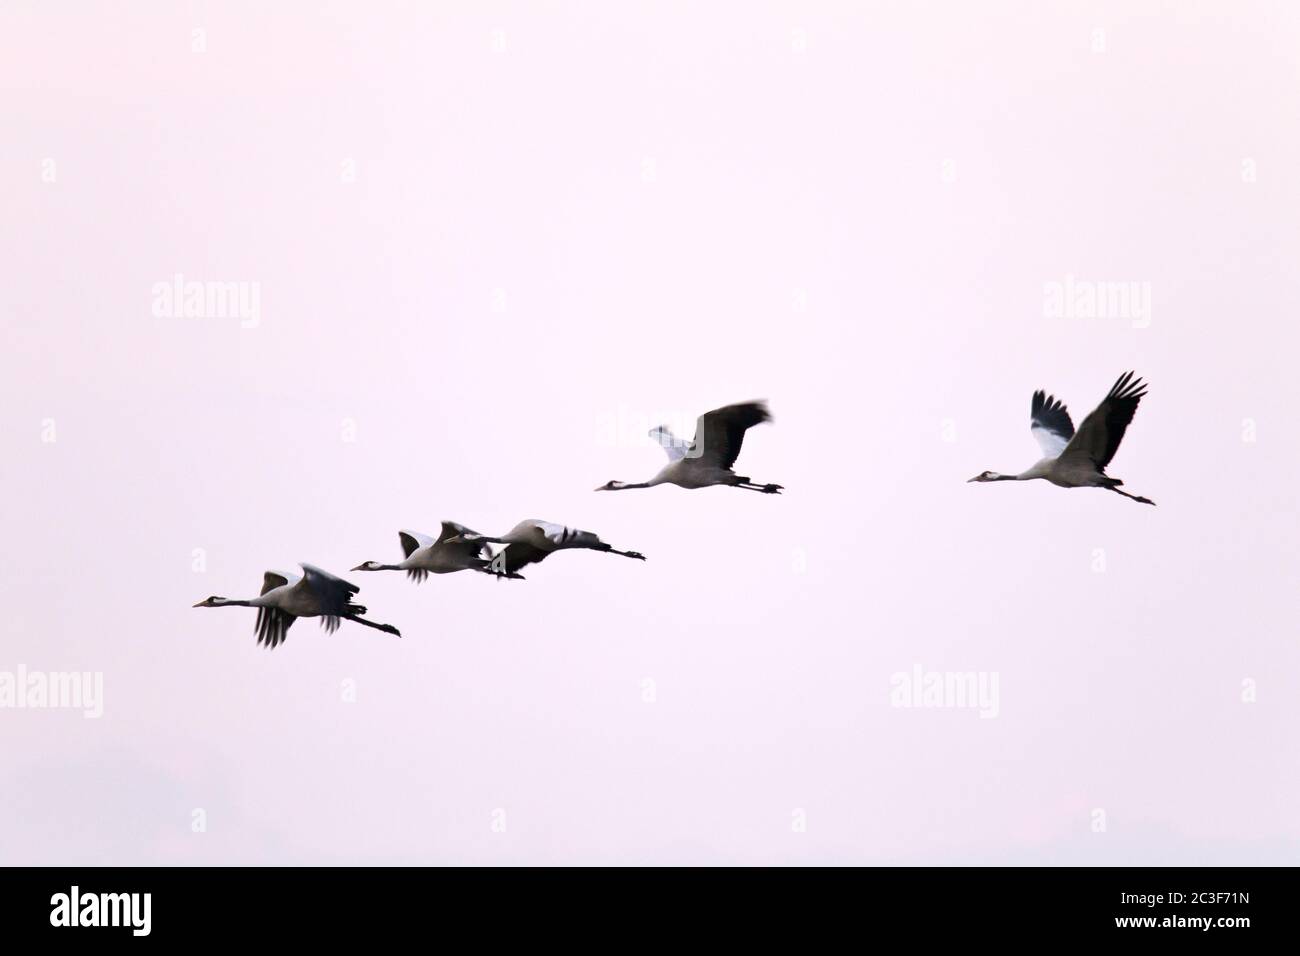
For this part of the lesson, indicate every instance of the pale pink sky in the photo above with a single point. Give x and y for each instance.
(571, 215)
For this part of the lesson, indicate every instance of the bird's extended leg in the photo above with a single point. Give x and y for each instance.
(627, 554)
(386, 628)
(766, 489)
(1145, 501)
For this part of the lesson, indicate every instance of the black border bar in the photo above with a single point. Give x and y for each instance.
(369, 904)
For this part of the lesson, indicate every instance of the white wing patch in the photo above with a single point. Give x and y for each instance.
(555, 533)
(556, 536)
(1049, 441)
(421, 540)
(675, 447)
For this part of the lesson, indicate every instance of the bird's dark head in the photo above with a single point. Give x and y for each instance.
(986, 476)
(368, 566)
(610, 486)
(213, 601)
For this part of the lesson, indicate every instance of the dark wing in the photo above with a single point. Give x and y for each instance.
(410, 543)
(272, 580)
(561, 536)
(333, 594)
(451, 529)
(1050, 424)
(515, 556)
(720, 433)
(273, 626)
(413, 541)
(1102, 431)
(470, 549)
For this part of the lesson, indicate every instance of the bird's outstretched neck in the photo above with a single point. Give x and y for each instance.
(994, 476)
(224, 602)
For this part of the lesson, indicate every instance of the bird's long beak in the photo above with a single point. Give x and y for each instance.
(360, 567)
(200, 604)
(969, 480)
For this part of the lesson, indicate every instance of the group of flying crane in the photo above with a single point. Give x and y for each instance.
(1071, 459)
